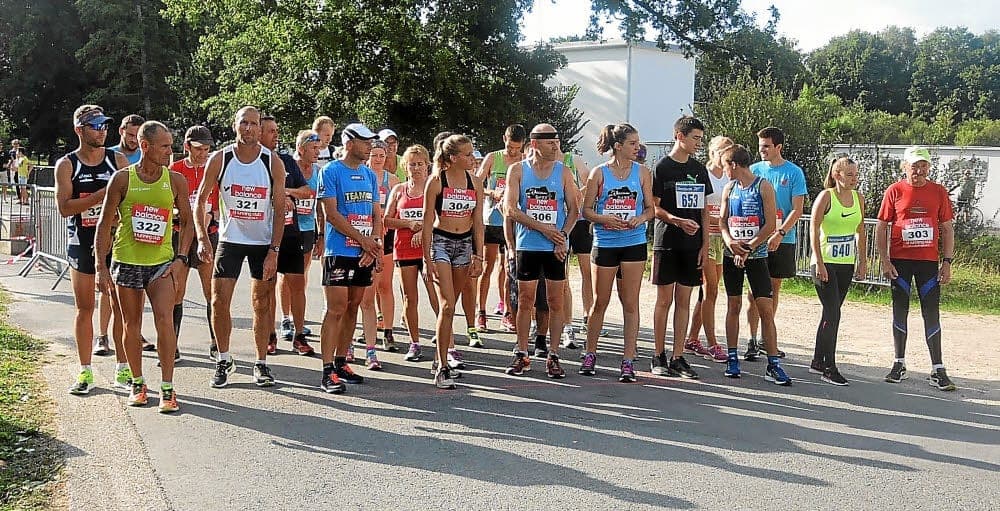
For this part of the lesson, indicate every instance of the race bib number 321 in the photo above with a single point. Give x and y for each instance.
(249, 202)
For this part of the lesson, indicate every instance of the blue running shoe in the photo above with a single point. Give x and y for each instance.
(732, 367)
(777, 375)
(287, 330)
(306, 330)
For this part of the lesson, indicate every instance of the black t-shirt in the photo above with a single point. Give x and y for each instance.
(690, 181)
(293, 179)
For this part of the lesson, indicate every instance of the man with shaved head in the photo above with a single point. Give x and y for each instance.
(543, 204)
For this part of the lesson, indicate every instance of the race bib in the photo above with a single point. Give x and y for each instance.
(363, 223)
(250, 202)
(149, 223)
(383, 195)
(713, 218)
(542, 210)
(457, 203)
(289, 216)
(412, 214)
(690, 195)
(305, 206)
(501, 185)
(744, 228)
(840, 246)
(918, 232)
(89, 216)
(623, 208)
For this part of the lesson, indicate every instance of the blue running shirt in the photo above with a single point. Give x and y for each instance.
(356, 191)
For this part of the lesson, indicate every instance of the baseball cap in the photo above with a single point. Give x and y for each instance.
(199, 136)
(384, 135)
(90, 114)
(356, 131)
(913, 154)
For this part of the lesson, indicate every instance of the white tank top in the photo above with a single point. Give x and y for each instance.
(718, 184)
(245, 198)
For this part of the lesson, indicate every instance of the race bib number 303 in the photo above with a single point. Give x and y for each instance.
(690, 196)
(249, 202)
(917, 232)
(149, 223)
(457, 203)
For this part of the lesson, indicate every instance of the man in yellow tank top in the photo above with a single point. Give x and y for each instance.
(144, 197)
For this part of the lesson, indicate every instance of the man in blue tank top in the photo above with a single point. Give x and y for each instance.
(128, 143)
(544, 208)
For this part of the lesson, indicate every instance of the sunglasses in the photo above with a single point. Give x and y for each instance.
(96, 126)
(311, 138)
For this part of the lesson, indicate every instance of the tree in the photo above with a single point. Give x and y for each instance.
(947, 74)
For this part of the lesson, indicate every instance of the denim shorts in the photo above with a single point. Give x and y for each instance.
(454, 251)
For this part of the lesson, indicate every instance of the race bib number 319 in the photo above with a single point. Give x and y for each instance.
(744, 228)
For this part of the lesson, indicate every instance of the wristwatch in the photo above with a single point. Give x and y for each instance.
(782, 232)
(182, 257)
(275, 249)
(948, 260)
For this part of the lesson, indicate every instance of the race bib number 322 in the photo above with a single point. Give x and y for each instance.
(89, 216)
(149, 223)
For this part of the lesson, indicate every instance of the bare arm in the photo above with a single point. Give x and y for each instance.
(184, 215)
(820, 207)
(649, 202)
(205, 189)
(277, 201)
(770, 208)
(112, 199)
(64, 191)
(572, 194)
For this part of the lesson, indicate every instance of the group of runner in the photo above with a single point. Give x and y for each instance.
(138, 222)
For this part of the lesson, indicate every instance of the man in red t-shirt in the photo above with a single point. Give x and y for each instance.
(917, 216)
(197, 144)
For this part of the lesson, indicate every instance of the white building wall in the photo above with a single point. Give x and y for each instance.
(662, 86)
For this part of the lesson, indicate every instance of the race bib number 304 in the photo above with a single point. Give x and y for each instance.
(249, 202)
(690, 196)
(363, 223)
(457, 202)
(744, 228)
(149, 223)
(89, 216)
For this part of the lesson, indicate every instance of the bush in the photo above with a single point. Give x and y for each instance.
(978, 132)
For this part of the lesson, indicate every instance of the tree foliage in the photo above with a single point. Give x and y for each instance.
(957, 70)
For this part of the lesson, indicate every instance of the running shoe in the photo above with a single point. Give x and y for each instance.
(168, 400)
(589, 364)
(832, 376)
(897, 373)
(223, 368)
(695, 347)
(372, 360)
(137, 396)
(481, 322)
(287, 330)
(816, 367)
(474, 339)
(350, 356)
(306, 330)
(331, 383)
(776, 374)
(413, 354)
(541, 348)
(346, 374)
(628, 372)
(123, 378)
(455, 360)
(455, 373)
(379, 321)
(443, 379)
(732, 367)
(658, 365)
(553, 369)
(499, 310)
(213, 352)
(569, 338)
(717, 353)
(84, 382)
(262, 375)
(680, 367)
(102, 347)
(146, 345)
(301, 346)
(389, 343)
(272, 344)
(507, 323)
(753, 350)
(939, 378)
(519, 364)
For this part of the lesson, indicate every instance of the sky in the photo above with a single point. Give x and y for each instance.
(811, 22)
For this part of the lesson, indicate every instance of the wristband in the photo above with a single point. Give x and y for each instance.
(948, 260)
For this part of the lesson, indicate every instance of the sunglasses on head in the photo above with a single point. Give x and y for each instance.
(311, 138)
(96, 126)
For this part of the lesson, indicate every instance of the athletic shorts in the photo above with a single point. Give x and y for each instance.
(493, 235)
(291, 258)
(419, 263)
(308, 241)
(676, 266)
(193, 260)
(343, 271)
(581, 238)
(781, 262)
(716, 247)
(134, 276)
(454, 251)
(534, 265)
(614, 256)
(756, 272)
(229, 260)
(82, 259)
(387, 241)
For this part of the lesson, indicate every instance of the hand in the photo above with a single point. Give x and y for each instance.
(270, 265)
(737, 248)
(205, 251)
(690, 227)
(554, 235)
(861, 271)
(561, 251)
(944, 275)
(368, 244)
(104, 281)
(317, 251)
(366, 259)
(429, 268)
(476, 268)
(702, 256)
(740, 260)
(416, 226)
(170, 269)
(821, 273)
(614, 223)
(378, 265)
(889, 270)
(774, 241)
(289, 205)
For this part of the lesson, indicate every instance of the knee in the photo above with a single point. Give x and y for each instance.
(448, 309)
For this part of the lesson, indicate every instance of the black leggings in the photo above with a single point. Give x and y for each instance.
(925, 275)
(831, 294)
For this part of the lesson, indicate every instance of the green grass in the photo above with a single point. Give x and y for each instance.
(30, 459)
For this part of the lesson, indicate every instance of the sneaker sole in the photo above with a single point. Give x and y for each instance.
(682, 375)
(946, 388)
(786, 383)
(556, 376)
(80, 392)
(374, 368)
(626, 380)
(514, 373)
(831, 382)
(896, 380)
(168, 410)
(332, 390)
(658, 371)
(265, 383)
(815, 371)
(733, 375)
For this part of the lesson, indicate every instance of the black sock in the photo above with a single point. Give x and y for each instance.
(387, 333)
(208, 314)
(328, 368)
(178, 315)
(540, 341)
(339, 361)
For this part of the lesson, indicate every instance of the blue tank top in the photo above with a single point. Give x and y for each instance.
(545, 201)
(746, 215)
(306, 208)
(356, 191)
(624, 199)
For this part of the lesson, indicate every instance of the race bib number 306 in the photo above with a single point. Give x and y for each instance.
(542, 210)
(149, 223)
(690, 196)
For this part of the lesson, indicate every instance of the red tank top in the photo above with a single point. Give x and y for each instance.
(407, 208)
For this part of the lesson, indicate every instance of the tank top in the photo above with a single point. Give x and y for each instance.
(497, 180)
(144, 236)
(624, 199)
(87, 179)
(305, 209)
(408, 208)
(714, 201)
(383, 189)
(746, 215)
(246, 215)
(838, 230)
(544, 200)
(456, 202)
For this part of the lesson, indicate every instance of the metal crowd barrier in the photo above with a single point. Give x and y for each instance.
(50, 235)
(803, 253)
(17, 221)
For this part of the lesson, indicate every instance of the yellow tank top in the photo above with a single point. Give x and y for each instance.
(838, 231)
(144, 235)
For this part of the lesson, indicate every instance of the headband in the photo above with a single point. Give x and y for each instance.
(544, 135)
